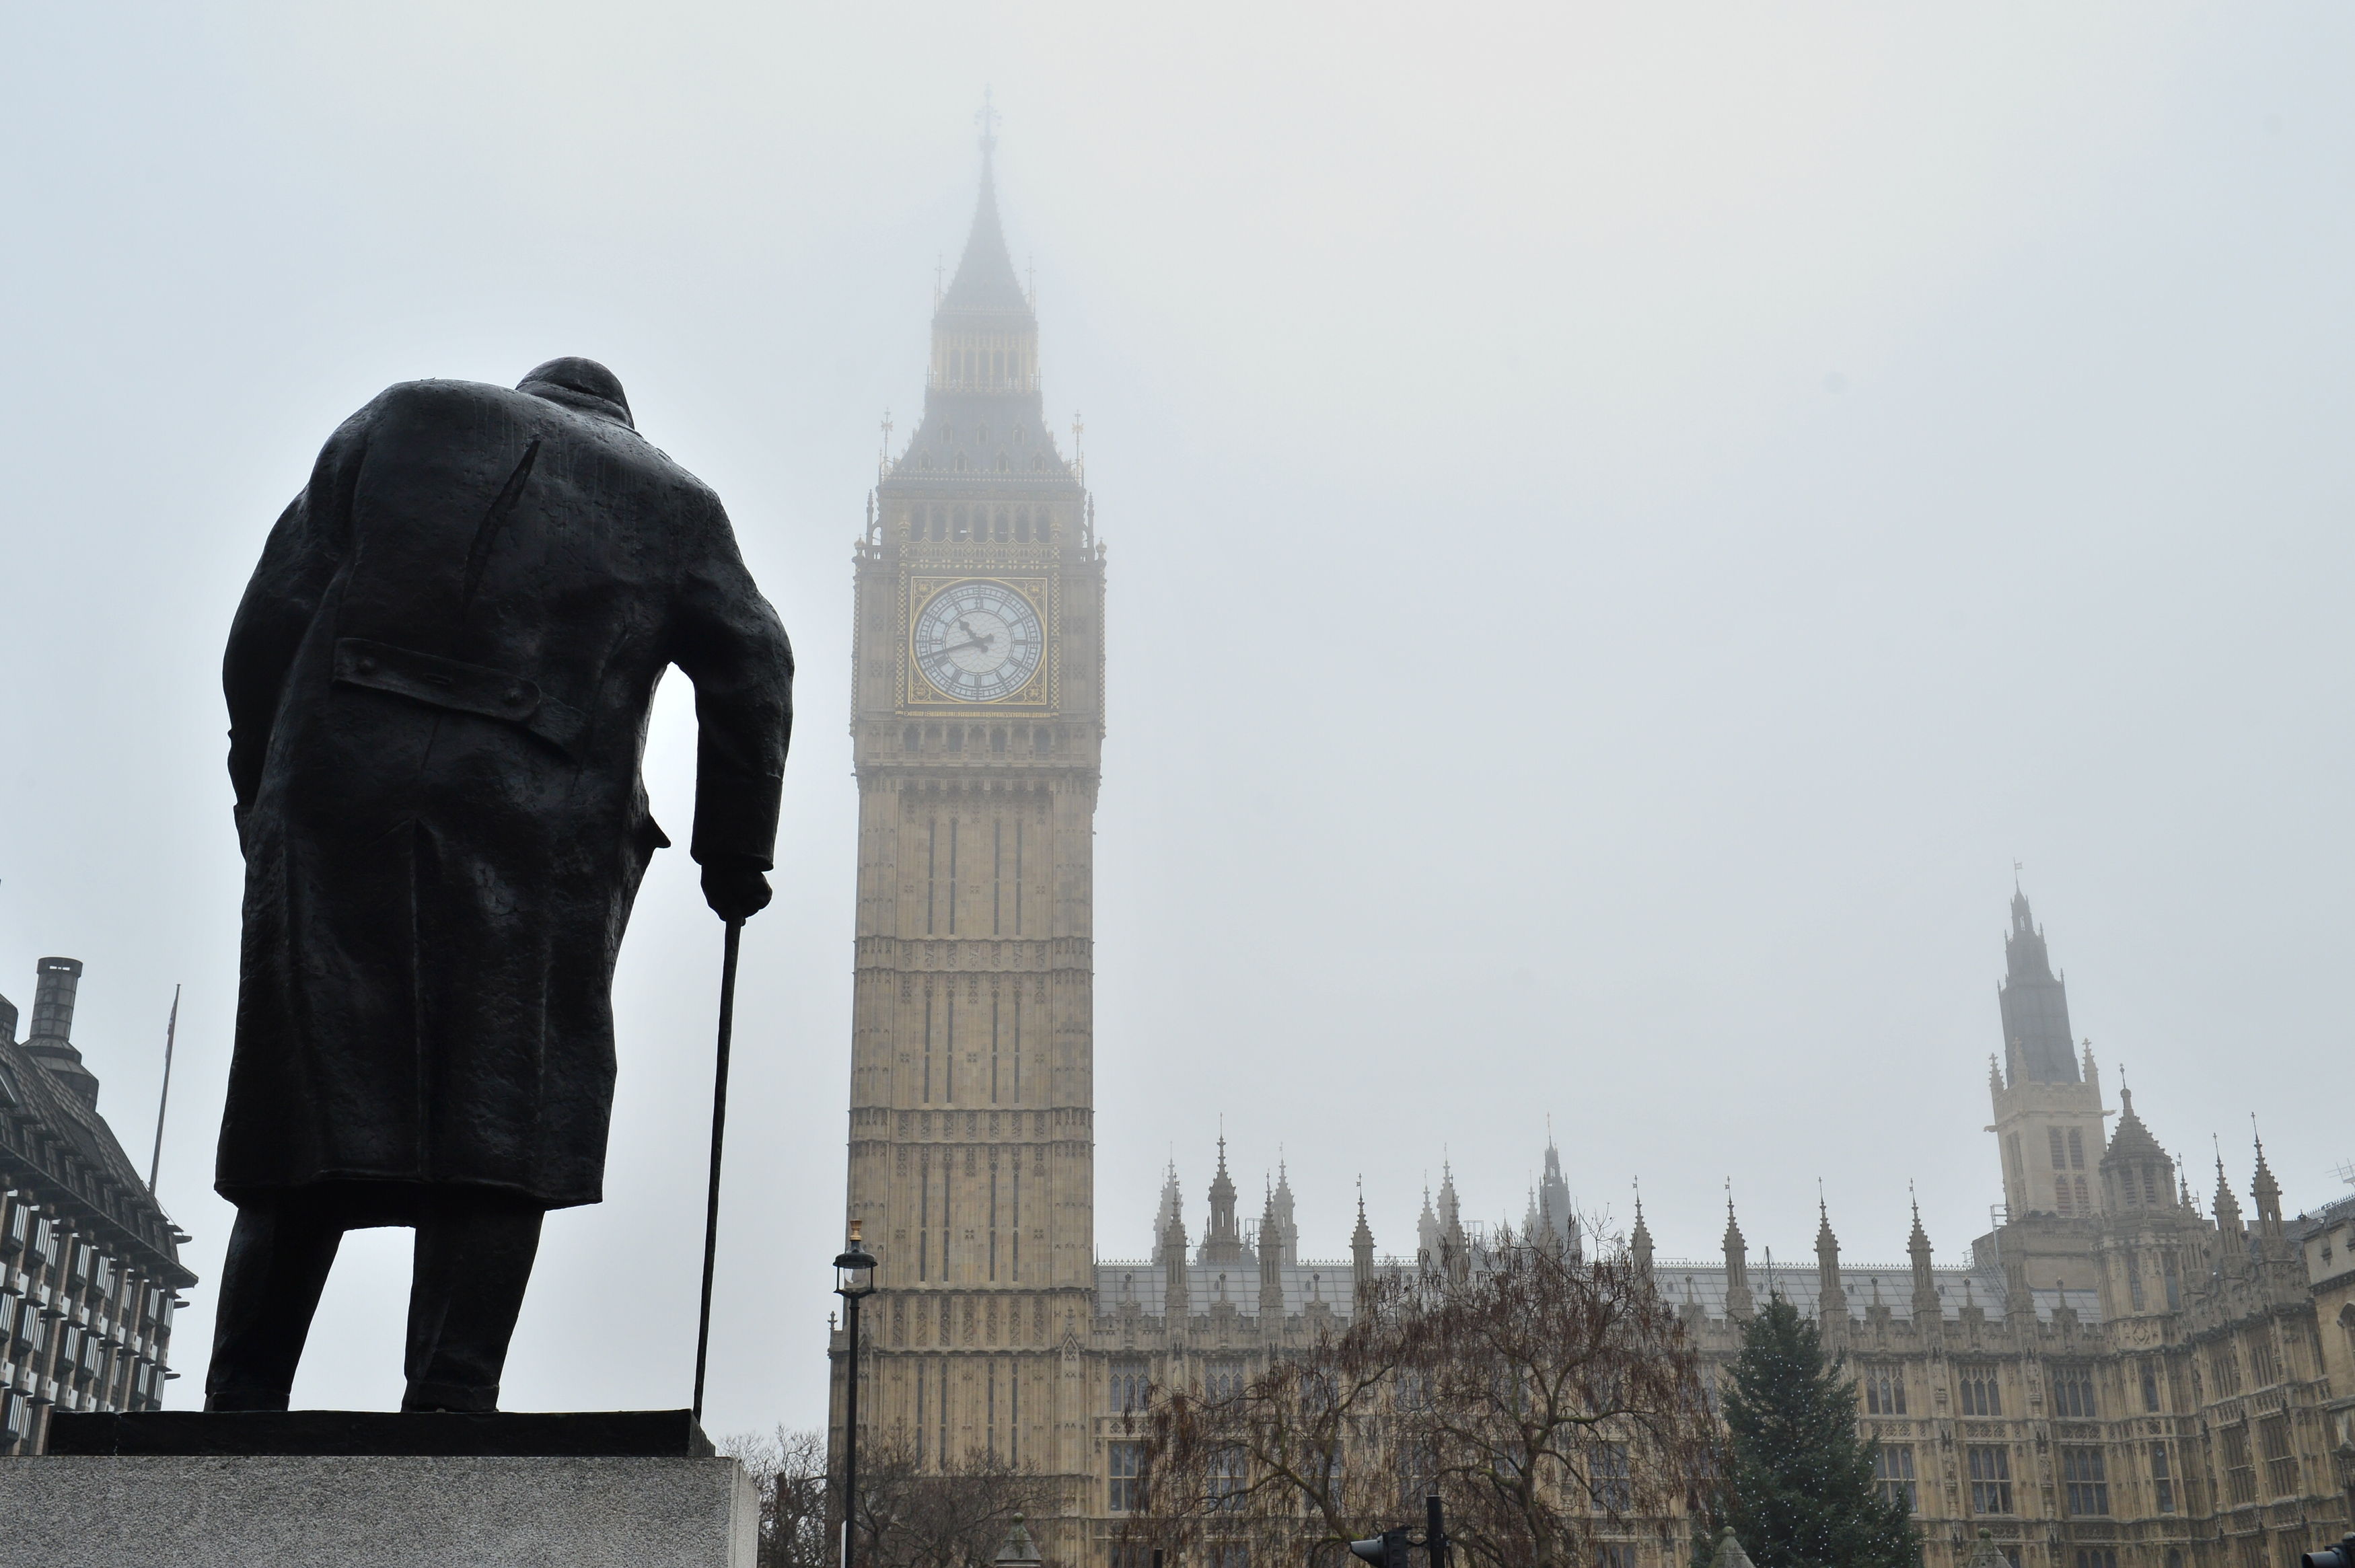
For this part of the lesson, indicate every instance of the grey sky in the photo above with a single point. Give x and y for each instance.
(1623, 524)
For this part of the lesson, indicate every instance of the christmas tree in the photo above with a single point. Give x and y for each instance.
(1799, 1491)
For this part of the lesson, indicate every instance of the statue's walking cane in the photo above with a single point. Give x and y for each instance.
(719, 1134)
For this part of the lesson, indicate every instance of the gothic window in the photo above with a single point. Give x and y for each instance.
(2150, 1185)
(1990, 1475)
(909, 738)
(2059, 1150)
(1038, 462)
(1884, 1391)
(2347, 1326)
(958, 526)
(956, 737)
(2224, 1369)
(1022, 526)
(1613, 1479)
(1893, 1473)
(1615, 1554)
(2097, 1557)
(1002, 524)
(1981, 1393)
(1038, 741)
(2281, 1463)
(2150, 1387)
(1004, 465)
(2162, 1479)
(2083, 1207)
(960, 462)
(2240, 1470)
(2072, 1392)
(1130, 1388)
(2265, 1367)
(2061, 1200)
(1127, 1469)
(1229, 1477)
(1223, 1380)
(2076, 1149)
(2084, 1480)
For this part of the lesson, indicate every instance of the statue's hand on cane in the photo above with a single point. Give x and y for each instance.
(735, 892)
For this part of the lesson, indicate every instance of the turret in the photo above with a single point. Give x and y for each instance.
(1288, 1231)
(1222, 1240)
(1831, 1301)
(1170, 1212)
(1927, 1307)
(1361, 1249)
(1738, 1304)
(1426, 1232)
(1639, 1241)
(1271, 1263)
(1176, 1305)
(2265, 1193)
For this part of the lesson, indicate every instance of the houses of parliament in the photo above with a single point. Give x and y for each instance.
(2128, 1373)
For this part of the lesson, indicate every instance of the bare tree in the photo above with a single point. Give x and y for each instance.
(911, 1515)
(1552, 1402)
(797, 1511)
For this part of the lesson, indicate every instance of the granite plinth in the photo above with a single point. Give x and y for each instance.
(589, 1434)
(219, 1511)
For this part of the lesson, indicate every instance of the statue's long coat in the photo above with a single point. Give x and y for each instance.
(438, 687)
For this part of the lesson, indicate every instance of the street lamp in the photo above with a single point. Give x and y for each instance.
(854, 1281)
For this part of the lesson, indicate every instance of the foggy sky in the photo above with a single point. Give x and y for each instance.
(1623, 524)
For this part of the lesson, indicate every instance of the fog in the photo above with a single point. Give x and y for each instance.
(1625, 523)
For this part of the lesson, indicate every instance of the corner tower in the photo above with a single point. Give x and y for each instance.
(977, 720)
(2047, 1094)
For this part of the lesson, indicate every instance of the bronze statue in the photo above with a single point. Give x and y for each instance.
(438, 688)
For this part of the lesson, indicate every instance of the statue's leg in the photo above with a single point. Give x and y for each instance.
(279, 1254)
(474, 1259)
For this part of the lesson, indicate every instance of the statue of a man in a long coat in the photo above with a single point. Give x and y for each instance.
(438, 688)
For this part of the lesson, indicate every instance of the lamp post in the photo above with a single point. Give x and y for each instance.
(854, 1281)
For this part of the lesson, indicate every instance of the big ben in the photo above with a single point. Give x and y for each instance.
(977, 727)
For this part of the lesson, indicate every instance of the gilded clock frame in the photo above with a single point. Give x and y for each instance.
(1042, 591)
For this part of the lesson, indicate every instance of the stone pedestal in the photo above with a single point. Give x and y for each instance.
(395, 1508)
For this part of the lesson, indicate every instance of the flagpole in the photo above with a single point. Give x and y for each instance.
(171, 1028)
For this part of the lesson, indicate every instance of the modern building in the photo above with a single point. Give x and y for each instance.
(2117, 1378)
(89, 1267)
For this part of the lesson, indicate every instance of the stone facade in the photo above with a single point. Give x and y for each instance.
(2116, 1379)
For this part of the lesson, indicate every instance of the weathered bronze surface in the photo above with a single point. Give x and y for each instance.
(439, 684)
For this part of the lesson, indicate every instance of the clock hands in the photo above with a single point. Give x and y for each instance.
(945, 650)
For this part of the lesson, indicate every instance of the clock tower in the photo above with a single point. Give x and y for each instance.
(977, 724)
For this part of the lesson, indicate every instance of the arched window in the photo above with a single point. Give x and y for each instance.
(956, 738)
(997, 740)
(2083, 1207)
(1038, 463)
(2061, 1200)
(1003, 527)
(1022, 526)
(941, 523)
(910, 739)
(2347, 1325)
(960, 462)
(958, 526)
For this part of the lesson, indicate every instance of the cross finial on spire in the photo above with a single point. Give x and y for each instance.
(988, 117)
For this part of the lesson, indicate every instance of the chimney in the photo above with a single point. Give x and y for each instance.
(50, 1040)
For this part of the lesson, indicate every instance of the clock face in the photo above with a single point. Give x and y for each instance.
(978, 642)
